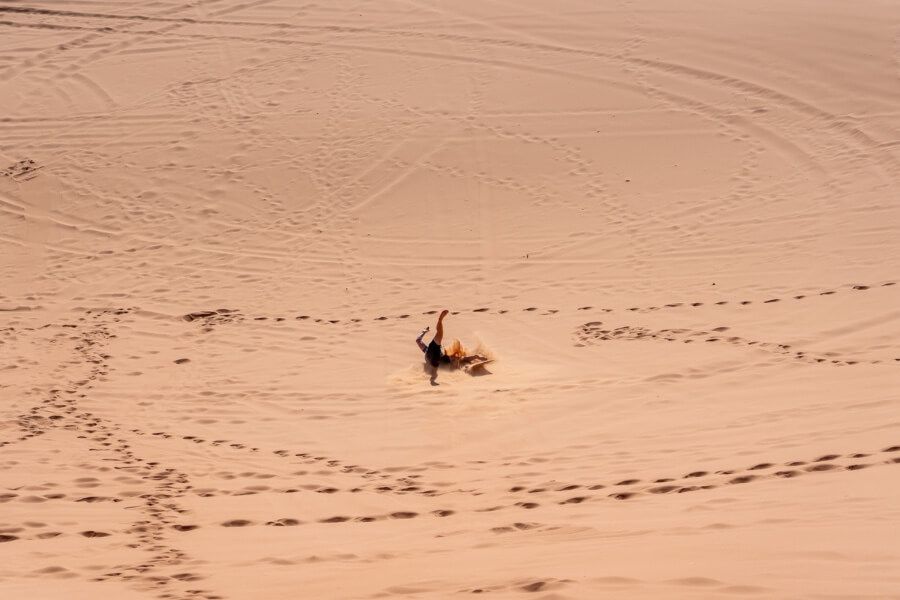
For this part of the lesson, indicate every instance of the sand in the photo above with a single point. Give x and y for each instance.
(674, 225)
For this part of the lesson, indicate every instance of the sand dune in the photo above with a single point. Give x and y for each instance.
(673, 226)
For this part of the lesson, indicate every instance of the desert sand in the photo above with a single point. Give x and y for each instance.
(673, 225)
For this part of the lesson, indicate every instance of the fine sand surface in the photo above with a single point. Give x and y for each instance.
(674, 225)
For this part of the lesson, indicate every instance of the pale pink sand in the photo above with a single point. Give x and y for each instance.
(675, 225)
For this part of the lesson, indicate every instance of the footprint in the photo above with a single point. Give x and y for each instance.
(335, 520)
(622, 495)
(442, 513)
(534, 587)
(187, 527)
(403, 515)
(743, 479)
(236, 523)
(93, 534)
(827, 457)
(760, 466)
(663, 489)
(696, 474)
(786, 474)
(8, 538)
(822, 467)
(283, 522)
(575, 500)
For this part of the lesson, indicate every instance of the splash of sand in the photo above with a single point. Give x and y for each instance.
(456, 351)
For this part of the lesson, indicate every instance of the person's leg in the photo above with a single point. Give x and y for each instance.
(439, 328)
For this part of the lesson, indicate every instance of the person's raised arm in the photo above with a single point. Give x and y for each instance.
(419, 341)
